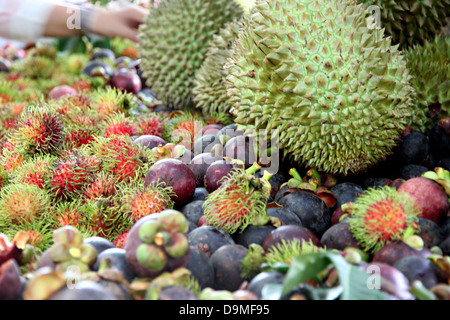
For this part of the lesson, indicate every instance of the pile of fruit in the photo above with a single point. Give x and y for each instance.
(242, 150)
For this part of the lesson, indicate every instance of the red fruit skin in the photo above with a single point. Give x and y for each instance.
(429, 197)
(61, 91)
(176, 174)
(126, 80)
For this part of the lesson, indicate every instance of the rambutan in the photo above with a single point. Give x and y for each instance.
(239, 201)
(39, 130)
(122, 157)
(150, 124)
(120, 240)
(139, 201)
(70, 176)
(183, 128)
(381, 215)
(118, 124)
(103, 186)
(110, 100)
(23, 202)
(68, 213)
(10, 159)
(34, 170)
(285, 251)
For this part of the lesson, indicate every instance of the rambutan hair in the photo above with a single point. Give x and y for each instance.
(380, 215)
(34, 170)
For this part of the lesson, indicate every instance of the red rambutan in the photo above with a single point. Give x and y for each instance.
(119, 124)
(34, 171)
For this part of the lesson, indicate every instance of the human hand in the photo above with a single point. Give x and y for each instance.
(122, 22)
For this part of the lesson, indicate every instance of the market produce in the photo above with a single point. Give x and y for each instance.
(107, 192)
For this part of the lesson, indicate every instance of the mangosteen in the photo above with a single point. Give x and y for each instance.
(414, 148)
(419, 268)
(150, 141)
(193, 211)
(103, 53)
(285, 215)
(439, 141)
(116, 258)
(445, 246)
(242, 148)
(209, 238)
(200, 267)
(345, 192)
(84, 290)
(339, 237)
(126, 80)
(200, 193)
(205, 143)
(276, 181)
(99, 243)
(176, 293)
(199, 164)
(312, 210)
(256, 285)
(226, 262)
(287, 233)
(252, 234)
(395, 250)
(430, 232)
(214, 174)
(10, 280)
(93, 68)
(411, 171)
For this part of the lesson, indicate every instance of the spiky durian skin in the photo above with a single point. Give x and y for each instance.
(430, 66)
(209, 89)
(173, 41)
(410, 22)
(322, 75)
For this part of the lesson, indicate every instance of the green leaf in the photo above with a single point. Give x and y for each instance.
(352, 280)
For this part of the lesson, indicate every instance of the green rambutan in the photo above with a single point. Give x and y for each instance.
(139, 201)
(122, 157)
(285, 251)
(118, 124)
(183, 128)
(381, 215)
(68, 213)
(103, 186)
(10, 159)
(39, 130)
(34, 171)
(70, 176)
(20, 202)
(239, 201)
(110, 100)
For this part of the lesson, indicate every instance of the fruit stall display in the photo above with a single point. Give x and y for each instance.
(139, 172)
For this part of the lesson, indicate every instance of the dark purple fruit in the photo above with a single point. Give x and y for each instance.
(430, 232)
(312, 211)
(264, 278)
(445, 227)
(200, 194)
(252, 234)
(200, 267)
(411, 171)
(126, 80)
(94, 66)
(226, 262)
(99, 243)
(439, 141)
(103, 53)
(193, 211)
(375, 182)
(215, 172)
(199, 164)
(230, 131)
(241, 148)
(339, 237)
(61, 91)
(286, 216)
(123, 62)
(150, 141)
(176, 174)
(118, 289)
(388, 279)
(445, 246)
(275, 183)
(212, 128)
(209, 238)
(116, 259)
(176, 293)
(345, 192)
(205, 143)
(84, 290)
(418, 268)
(10, 283)
(396, 250)
(287, 233)
(414, 148)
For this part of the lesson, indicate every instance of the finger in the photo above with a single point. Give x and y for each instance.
(128, 33)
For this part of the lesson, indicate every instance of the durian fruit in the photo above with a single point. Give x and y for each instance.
(246, 4)
(410, 22)
(430, 66)
(322, 76)
(172, 44)
(209, 88)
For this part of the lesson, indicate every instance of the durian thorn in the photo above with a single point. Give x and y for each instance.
(294, 173)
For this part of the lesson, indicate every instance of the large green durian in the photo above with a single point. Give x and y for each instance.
(209, 88)
(173, 41)
(430, 66)
(322, 75)
(410, 22)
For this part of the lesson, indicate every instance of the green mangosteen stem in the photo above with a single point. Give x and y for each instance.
(294, 173)
(253, 169)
